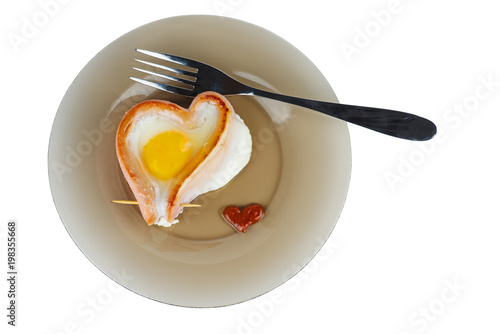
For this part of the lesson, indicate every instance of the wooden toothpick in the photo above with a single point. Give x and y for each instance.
(186, 205)
(124, 202)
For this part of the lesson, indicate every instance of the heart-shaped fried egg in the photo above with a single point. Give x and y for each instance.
(170, 155)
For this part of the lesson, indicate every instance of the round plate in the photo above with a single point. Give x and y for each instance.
(299, 169)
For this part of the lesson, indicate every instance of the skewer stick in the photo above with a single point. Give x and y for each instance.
(124, 202)
(191, 205)
(186, 205)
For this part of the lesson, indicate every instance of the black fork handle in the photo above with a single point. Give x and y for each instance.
(390, 122)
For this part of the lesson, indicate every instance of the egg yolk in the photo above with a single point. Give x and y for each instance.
(166, 154)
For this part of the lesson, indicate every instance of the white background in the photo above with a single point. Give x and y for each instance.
(416, 249)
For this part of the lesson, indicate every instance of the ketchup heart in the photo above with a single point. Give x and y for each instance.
(242, 217)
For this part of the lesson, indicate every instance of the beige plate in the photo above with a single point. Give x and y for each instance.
(299, 170)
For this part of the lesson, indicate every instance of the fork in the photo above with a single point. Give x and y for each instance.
(201, 77)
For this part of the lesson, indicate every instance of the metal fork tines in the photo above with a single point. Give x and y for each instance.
(181, 79)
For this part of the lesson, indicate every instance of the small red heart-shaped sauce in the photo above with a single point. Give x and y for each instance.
(242, 217)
